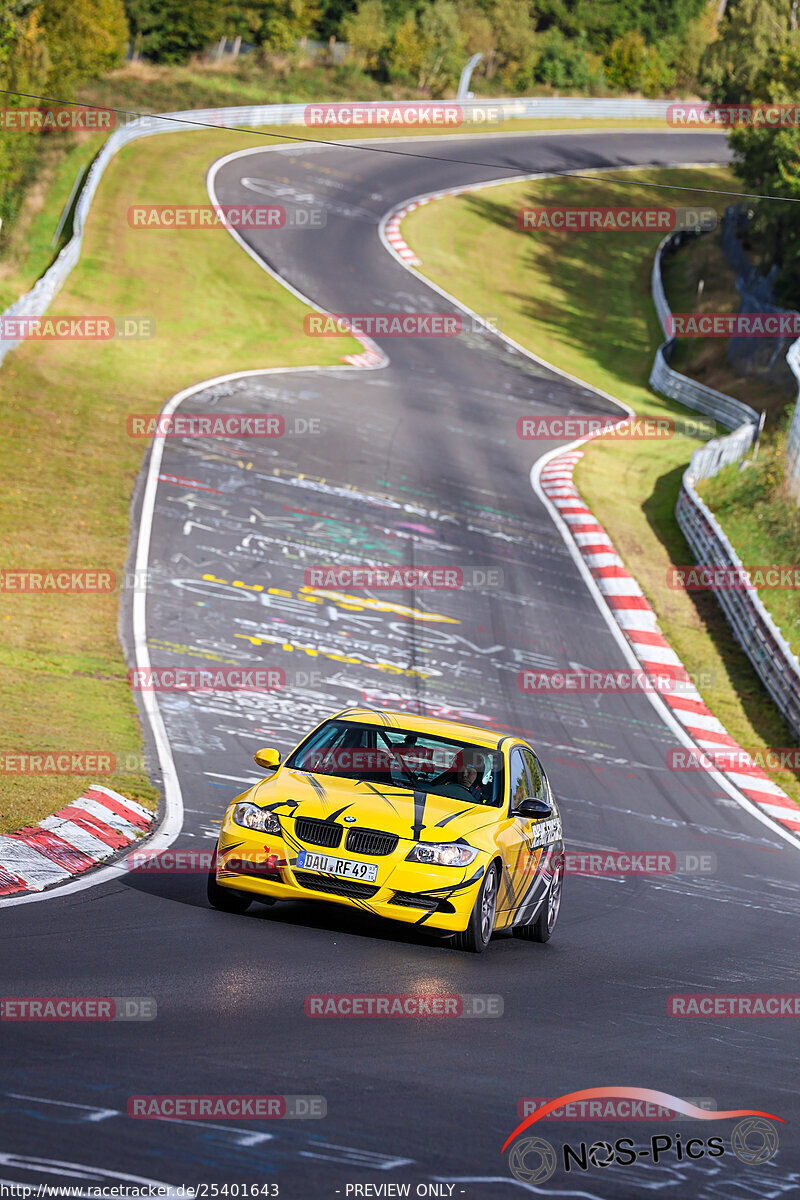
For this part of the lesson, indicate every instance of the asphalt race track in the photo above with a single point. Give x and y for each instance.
(417, 463)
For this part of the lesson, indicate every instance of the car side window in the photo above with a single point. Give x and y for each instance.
(517, 778)
(536, 775)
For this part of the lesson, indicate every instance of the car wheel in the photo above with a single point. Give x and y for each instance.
(477, 935)
(223, 898)
(541, 930)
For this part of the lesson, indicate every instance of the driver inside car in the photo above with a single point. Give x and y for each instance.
(470, 770)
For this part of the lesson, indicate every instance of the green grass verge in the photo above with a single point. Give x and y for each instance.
(27, 247)
(69, 466)
(582, 301)
(763, 523)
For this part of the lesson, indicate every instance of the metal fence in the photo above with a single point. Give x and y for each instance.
(752, 626)
(726, 409)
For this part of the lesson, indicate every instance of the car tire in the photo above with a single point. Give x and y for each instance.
(477, 935)
(223, 898)
(541, 930)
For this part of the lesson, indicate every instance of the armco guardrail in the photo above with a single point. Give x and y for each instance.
(752, 626)
(725, 409)
(38, 299)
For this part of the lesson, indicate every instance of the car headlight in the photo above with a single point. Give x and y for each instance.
(443, 854)
(252, 817)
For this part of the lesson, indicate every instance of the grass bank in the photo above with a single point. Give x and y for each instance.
(69, 466)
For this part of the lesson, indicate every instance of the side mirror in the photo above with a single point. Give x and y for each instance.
(534, 810)
(267, 758)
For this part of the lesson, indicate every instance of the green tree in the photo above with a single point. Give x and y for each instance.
(171, 31)
(688, 50)
(749, 31)
(85, 39)
(443, 38)
(625, 61)
(285, 22)
(767, 161)
(408, 50)
(566, 63)
(601, 22)
(24, 64)
(367, 32)
(657, 76)
(24, 60)
(514, 25)
(431, 48)
(479, 36)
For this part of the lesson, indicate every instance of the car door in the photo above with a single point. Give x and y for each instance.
(513, 840)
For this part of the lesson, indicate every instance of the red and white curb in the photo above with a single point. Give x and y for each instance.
(371, 357)
(391, 224)
(393, 237)
(638, 622)
(78, 837)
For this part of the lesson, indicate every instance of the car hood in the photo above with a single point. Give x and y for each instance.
(410, 815)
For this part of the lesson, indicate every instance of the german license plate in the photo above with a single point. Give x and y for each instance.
(349, 868)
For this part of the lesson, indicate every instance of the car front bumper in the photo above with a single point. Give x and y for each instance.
(264, 865)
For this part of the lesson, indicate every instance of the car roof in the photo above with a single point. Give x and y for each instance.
(456, 730)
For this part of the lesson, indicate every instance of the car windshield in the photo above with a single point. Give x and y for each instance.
(403, 758)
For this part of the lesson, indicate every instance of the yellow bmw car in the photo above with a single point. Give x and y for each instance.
(425, 821)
